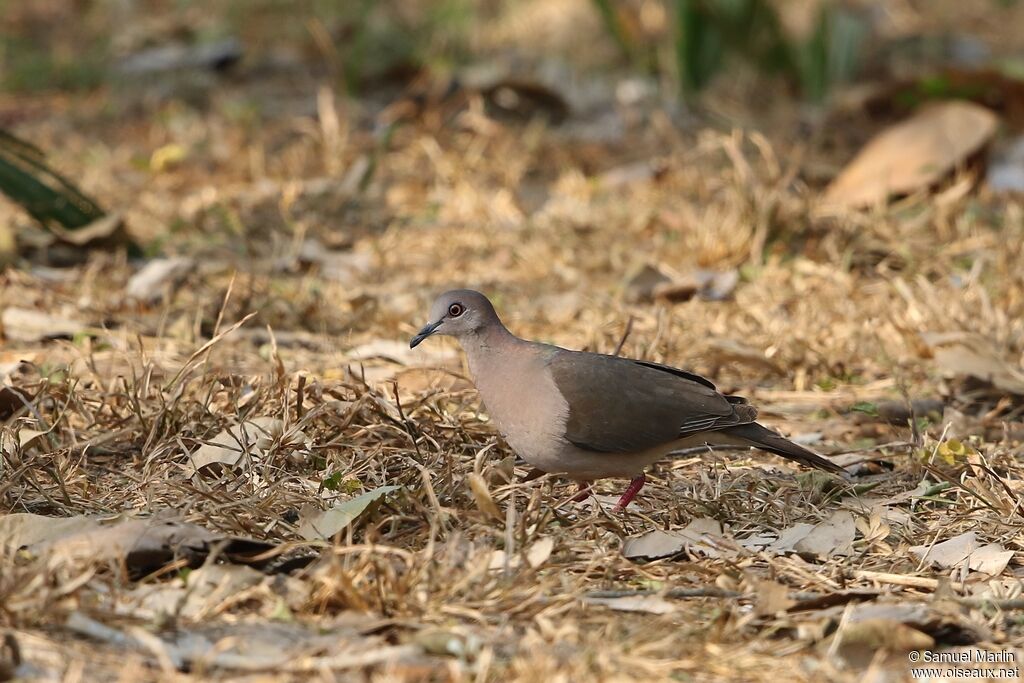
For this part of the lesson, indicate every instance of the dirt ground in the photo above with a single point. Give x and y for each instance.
(193, 467)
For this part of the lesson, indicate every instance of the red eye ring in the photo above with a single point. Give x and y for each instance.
(455, 310)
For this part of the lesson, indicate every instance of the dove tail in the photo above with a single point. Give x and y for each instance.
(759, 436)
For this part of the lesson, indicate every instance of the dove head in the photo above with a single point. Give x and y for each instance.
(458, 313)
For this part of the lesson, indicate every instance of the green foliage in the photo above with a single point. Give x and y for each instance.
(46, 195)
(376, 37)
(830, 55)
(698, 43)
(866, 407)
(708, 34)
(27, 66)
(611, 23)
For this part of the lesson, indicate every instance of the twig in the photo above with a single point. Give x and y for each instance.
(625, 336)
(1007, 604)
(675, 593)
(901, 579)
(406, 424)
(300, 391)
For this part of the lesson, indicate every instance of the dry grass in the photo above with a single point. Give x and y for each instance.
(829, 312)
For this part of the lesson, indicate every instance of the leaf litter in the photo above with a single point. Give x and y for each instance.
(482, 577)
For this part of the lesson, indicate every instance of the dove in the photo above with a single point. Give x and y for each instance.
(590, 416)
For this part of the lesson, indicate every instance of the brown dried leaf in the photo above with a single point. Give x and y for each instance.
(772, 597)
(648, 604)
(970, 355)
(212, 584)
(881, 634)
(914, 154)
(482, 496)
(539, 551)
(27, 437)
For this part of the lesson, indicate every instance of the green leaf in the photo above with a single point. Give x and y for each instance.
(613, 26)
(46, 195)
(699, 44)
(333, 482)
(866, 407)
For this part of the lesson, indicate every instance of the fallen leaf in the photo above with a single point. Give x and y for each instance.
(156, 278)
(990, 559)
(482, 496)
(539, 551)
(965, 549)
(702, 535)
(914, 154)
(167, 156)
(718, 285)
(834, 536)
(642, 285)
(631, 174)
(966, 354)
(653, 545)
(344, 267)
(860, 640)
(228, 447)
(772, 597)
(648, 604)
(27, 325)
(142, 544)
(498, 560)
(21, 529)
(758, 541)
(27, 437)
(709, 285)
(448, 642)
(212, 584)
(789, 537)
(323, 524)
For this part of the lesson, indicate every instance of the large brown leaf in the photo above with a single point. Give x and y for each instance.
(914, 154)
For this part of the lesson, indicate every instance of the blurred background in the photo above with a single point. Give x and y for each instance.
(584, 161)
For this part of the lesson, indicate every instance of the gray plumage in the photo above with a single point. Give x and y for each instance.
(590, 415)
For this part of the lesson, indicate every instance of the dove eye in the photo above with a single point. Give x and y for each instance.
(455, 310)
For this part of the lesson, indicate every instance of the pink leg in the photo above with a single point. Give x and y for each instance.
(584, 491)
(631, 491)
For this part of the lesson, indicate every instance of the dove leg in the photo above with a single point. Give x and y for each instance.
(631, 491)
